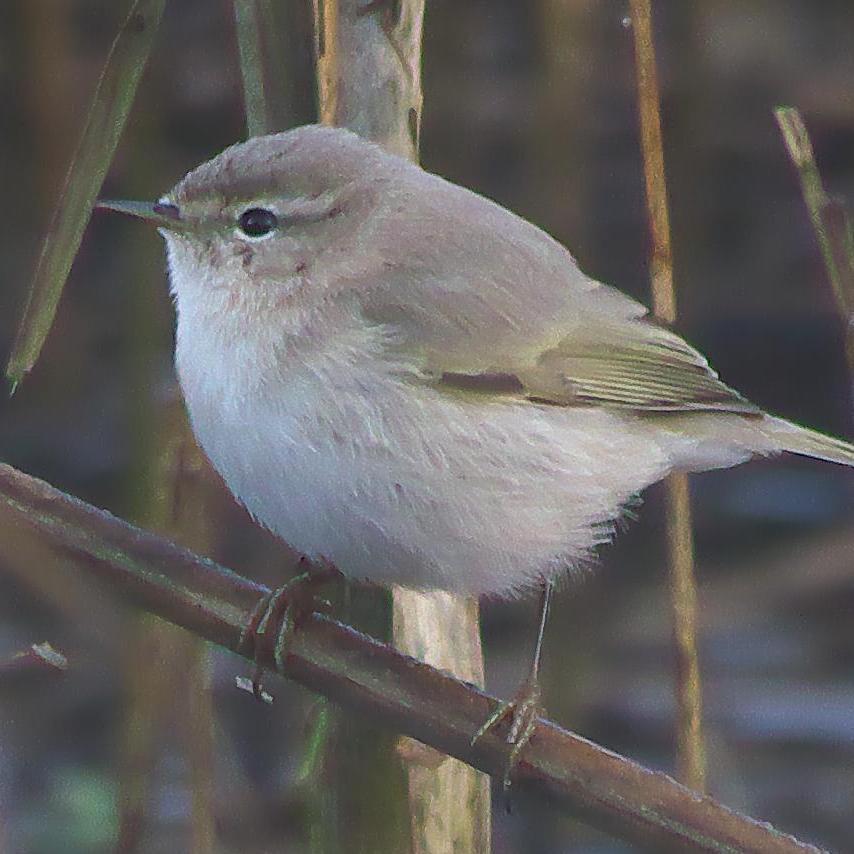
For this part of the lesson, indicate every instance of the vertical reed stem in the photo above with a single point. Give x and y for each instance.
(680, 548)
(369, 80)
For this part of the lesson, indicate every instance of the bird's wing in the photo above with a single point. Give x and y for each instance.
(644, 367)
(602, 350)
(487, 303)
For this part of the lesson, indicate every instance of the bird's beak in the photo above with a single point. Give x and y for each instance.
(161, 214)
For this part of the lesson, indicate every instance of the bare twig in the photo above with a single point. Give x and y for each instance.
(605, 789)
(680, 546)
(830, 220)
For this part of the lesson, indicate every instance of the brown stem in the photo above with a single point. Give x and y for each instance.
(604, 789)
(680, 547)
(369, 80)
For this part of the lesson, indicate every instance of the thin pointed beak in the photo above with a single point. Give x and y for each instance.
(160, 214)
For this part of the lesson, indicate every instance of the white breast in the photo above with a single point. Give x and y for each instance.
(336, 452)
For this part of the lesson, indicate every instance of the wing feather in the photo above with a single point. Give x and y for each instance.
(672, 377)
(491, 305)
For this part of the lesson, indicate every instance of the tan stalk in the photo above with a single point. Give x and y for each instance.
(680, 547)
(369, 79)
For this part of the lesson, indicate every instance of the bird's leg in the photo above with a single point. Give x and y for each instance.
(271, 627)
(524, 708)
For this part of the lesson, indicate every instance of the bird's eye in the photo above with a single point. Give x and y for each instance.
(256, 222)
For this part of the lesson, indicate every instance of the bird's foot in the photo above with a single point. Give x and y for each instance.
(523, 711)
(271, 627)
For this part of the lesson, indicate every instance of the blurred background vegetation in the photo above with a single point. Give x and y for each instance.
(532, 104)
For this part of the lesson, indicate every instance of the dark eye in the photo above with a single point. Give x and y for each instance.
(256, 222)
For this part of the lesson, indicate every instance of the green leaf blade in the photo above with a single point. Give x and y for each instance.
(111, 105)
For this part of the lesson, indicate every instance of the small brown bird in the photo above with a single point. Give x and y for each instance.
(399, 375)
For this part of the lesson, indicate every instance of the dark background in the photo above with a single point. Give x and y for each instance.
(533, 104)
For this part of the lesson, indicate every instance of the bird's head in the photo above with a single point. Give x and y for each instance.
(269, 227)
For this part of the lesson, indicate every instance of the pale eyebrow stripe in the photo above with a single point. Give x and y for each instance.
(295, 209)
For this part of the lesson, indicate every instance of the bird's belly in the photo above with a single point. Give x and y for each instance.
(402, 484)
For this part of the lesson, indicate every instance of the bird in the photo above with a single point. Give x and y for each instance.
(395, 374)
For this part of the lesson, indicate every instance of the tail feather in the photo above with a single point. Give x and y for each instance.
(810, 443)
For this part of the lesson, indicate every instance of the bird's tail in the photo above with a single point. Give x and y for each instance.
(809, 443)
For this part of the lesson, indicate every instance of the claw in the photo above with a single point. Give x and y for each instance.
(523, 710)
(276, 617)
(525, 706)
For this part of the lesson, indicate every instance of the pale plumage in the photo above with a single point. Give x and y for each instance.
(417, 384)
